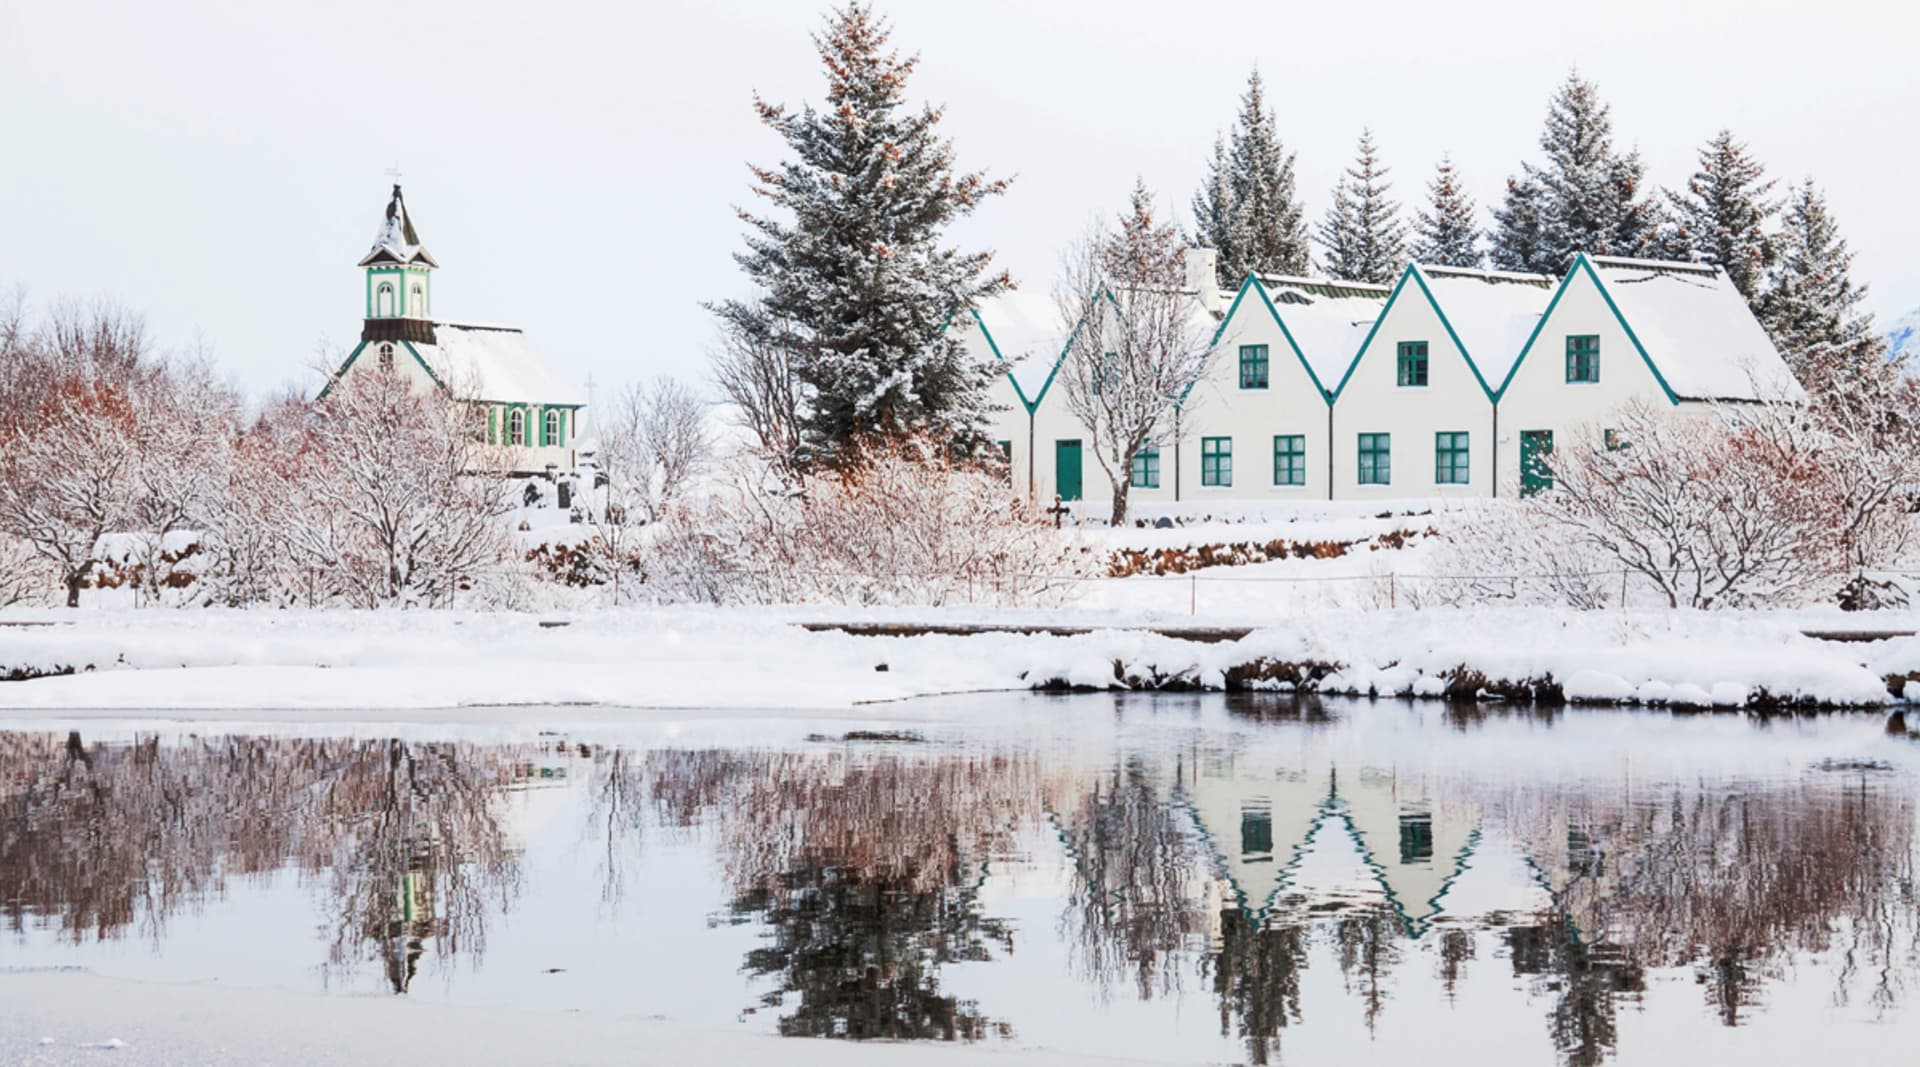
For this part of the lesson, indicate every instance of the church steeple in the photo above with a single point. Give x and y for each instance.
(398, 282)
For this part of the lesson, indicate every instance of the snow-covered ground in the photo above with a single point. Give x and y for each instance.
(735, 658)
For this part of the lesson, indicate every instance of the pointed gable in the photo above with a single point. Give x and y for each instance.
(1324, 321)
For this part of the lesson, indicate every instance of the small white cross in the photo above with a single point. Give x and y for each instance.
(394, 172)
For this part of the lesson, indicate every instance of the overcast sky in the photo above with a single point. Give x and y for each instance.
(574, 167)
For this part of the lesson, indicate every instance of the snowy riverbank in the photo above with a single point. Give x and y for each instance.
(733, 659)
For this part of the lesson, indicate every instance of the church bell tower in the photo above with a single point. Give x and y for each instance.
(399, 280)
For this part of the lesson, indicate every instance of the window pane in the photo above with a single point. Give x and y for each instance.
(1216, 461)
(1290, 459)
(1376, 466)
(1253, 367)
(1412, 369)
(1450, 466)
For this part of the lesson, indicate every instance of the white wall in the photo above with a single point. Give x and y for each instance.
(1291, 404)
(1373, 401)
(1538, 395)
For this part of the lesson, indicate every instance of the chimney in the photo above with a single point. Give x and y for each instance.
(1203, 267)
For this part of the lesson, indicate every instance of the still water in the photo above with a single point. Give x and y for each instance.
(1178, 879)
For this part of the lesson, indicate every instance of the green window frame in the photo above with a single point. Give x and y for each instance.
(1254, 367)
(1376, 459)
(1450, 464)
(1216, 461)
(1412, 364)
(1145, 473)
(1583, 357)
(1289, 459)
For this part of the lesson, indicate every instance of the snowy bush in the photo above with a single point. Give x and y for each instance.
(1770, 505)
(902, 522)
(372, 496)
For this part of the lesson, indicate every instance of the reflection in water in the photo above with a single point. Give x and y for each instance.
(1219, 864)
(404, 840)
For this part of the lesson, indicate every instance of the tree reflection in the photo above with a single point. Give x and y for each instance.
(403, 841)
(866, 871)
(1134, 899)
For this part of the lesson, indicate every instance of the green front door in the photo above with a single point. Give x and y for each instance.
(1535, 474)
(1066, 469)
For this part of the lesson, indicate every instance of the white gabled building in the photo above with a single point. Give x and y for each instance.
(1677, 336)
(1451, 383)
(530, 406)
(1415, 414)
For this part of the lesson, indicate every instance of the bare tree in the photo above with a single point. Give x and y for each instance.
(653, 442)
(67, 476)
(399, 500)
(756, 375)
(186, 422)
(1136, 343)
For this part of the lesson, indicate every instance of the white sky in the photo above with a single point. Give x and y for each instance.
(574, 167)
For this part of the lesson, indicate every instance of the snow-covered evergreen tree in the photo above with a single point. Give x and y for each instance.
(857, 284)
(1517, 241)
(1362, 237)
(1258, 225)
(1216, 219)
(1810, 306)
(1587, 198)
(1446, 234)
(1722, 216)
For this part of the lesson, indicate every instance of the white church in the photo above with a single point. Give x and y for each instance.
(1448, 383)
(532, 409)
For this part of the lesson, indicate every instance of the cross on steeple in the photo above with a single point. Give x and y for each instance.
(394, 172)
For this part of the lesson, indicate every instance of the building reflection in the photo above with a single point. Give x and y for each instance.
(1227, 865)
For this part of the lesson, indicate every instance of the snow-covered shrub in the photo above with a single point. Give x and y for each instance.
(901, 522)
(25, 576)
(386, 497)
(1508, 552)
(653, 443)
(1769, 505)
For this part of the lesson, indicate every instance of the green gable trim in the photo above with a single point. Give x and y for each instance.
(1420, 279)
(1253, 284)
(1580, 263)
(1030, 404)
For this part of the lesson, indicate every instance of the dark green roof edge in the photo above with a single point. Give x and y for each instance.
(1413, 271)
(1580, 263)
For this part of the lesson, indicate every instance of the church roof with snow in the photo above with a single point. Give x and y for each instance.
(397, 242)
(495, 363)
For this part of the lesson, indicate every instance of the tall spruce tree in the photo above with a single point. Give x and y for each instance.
(858, 285)
(1446, 234)
(1362, 237)
(1254, 217)
(1810, 306)
(1723, 215)
(1587, 198)
(1216, 218)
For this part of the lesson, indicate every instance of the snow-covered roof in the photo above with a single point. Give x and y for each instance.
(1492, 312)
(396, 241)
(1697, 330)
(1025, 329)
(497, 363)
(1328, 328)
